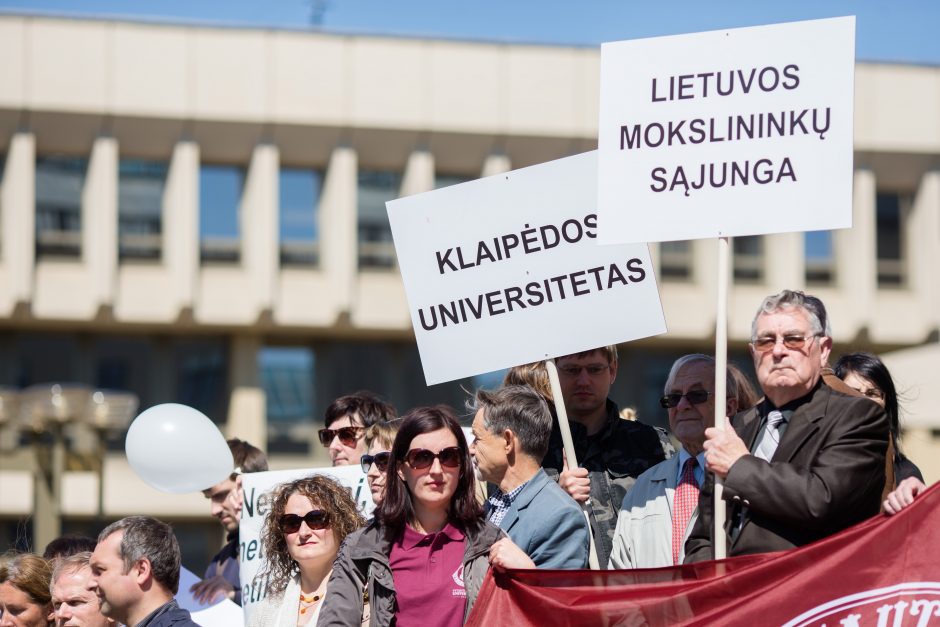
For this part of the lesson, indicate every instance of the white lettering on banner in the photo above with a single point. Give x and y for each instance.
(505, 270)
(257, 488)
(912, 604)
(734, 132)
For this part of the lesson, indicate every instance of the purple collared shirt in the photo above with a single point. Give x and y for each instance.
(428, 573)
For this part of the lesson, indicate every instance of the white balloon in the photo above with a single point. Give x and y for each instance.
(175, 448)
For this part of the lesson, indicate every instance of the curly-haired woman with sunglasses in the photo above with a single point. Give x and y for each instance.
(423, 559)
(307, 523)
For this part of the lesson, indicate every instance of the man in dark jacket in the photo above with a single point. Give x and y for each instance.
(807, 461)
(136, 572)
(612, 452)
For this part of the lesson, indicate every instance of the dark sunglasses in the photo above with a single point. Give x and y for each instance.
(696, 397)
(347, 435)
(315, 519)
(379, 459)
(421, 458)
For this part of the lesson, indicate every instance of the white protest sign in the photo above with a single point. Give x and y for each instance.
(257, 487)
(221, 613)
(505, 270)
(724, 133)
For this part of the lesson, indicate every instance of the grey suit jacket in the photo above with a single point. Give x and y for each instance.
(546, 523)
(643, 538)
(826, 475)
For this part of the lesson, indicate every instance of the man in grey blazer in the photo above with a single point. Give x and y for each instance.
(511, 429)
(654, 510)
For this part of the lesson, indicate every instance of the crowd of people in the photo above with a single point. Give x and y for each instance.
(809, 452)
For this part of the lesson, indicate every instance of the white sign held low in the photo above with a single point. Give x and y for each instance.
(257, 487)
(506, 270)
(724, 133)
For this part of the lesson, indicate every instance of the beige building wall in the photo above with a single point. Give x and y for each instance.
(264, 98)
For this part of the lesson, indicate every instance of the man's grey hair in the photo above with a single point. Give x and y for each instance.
(146, 537)
(731, 386)
(523, 411)
(69, 564)
(790, 299)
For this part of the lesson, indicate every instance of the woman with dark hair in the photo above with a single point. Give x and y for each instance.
(423, 559)
(25, 600)
(308, 521)
(867, 374)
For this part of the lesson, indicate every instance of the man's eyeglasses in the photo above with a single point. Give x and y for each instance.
(379, 459)
(574, 371)
(696, 397)
(793, 342)
(315, 519)
(347, 435)
(421, 458)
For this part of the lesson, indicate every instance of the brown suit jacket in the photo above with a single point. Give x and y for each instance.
(826, 475)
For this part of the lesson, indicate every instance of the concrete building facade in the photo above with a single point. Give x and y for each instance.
(146, 242)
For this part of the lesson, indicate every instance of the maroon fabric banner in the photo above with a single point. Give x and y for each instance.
(884, 571)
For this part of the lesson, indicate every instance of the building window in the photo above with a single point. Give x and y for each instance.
(890, 209)
(446, 180)
(299, 197)
(140, 208)
(287, 375)
(675, 260)
(375, 188)
(201, 368)
(220, 192)
(820, 257)
(749, 258)
(59, 183)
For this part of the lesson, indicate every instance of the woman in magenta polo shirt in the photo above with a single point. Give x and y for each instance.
(423, 559)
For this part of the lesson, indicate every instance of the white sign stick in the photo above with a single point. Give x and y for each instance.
(721, 378)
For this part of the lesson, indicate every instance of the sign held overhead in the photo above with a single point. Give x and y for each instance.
(505, 270)
(725, 133)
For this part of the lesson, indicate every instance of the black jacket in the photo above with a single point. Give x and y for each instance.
(826, 475)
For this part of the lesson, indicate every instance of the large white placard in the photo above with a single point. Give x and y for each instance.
(724, 133)
(257, 486)
(505, 270)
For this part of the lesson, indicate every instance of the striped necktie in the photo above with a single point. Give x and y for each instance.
(770, 441)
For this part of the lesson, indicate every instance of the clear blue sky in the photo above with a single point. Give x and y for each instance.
(895, 30)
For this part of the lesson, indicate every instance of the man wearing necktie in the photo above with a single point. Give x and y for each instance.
(658, 512)
(805, 462)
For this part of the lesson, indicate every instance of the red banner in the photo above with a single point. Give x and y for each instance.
(883, 572)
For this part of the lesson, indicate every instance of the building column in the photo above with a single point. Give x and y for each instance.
(856, 251)
(181, 222)
(495, 164)
(18, 227)
(419, 174)
(338, 224)
(791, 272)
(922, 238)
(247, 410)
(259, 213)
(100, 219)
